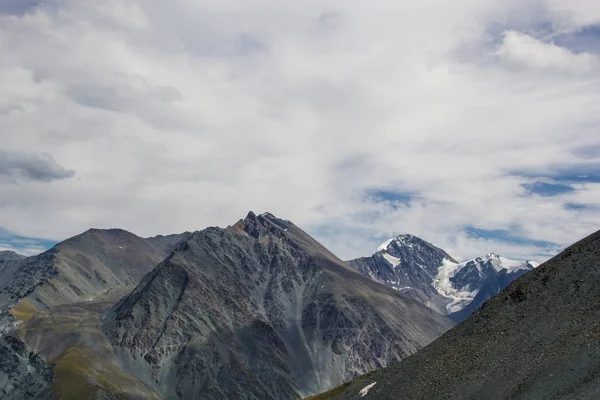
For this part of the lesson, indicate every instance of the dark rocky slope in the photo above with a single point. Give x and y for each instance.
(260, 310)
(538, 339)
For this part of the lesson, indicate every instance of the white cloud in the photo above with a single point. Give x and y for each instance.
(523, 50)
(178, 115)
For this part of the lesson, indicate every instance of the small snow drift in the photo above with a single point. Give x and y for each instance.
(364, 391)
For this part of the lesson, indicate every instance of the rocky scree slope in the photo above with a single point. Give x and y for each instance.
(537, 339)
(413, 266)
(260, 310)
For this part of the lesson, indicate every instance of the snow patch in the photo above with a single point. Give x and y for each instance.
(394, 261)
(384, 245)
(461, 298)
(363, 392)
(441, 283)
(499, 263)
(512, 265)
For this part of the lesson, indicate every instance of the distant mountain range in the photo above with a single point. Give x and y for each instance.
(537, 339)
(257, 310)
(9, 255)
(413, 266)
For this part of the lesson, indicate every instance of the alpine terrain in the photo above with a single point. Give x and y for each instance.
(537, 339)
(413, 266)
(257, 310)
(260, 310)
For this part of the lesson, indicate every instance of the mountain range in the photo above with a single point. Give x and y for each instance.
(257, 310)
(261, 310)
(413, 266)
(537, 339)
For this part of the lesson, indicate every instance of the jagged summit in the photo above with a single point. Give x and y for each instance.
(398, 240)
(411, 242)
(263, 224)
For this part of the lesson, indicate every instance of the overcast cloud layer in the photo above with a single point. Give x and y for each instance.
(473, 124)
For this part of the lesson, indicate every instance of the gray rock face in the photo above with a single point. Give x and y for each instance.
(260, 310)
(20, 278)
(23, 375)
(8, 255)
(537, 339)
(428, 274)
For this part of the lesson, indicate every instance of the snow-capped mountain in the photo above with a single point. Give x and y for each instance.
(416, 267)
(409, 264)
(469, 284)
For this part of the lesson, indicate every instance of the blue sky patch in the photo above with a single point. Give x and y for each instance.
(578, 206)
(23, 245)
(548, 189)
(567, 173)
(390, 196)
(584, 40)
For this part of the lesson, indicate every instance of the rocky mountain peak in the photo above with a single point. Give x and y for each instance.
(407, 243)
(282, 305)
(262, 225)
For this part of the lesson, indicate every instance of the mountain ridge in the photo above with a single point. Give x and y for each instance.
(50, 305)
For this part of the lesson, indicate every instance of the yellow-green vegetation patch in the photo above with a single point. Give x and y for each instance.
(79, 374)
(23, 310)
(72, 374)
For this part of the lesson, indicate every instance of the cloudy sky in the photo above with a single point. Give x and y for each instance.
(473, 124)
